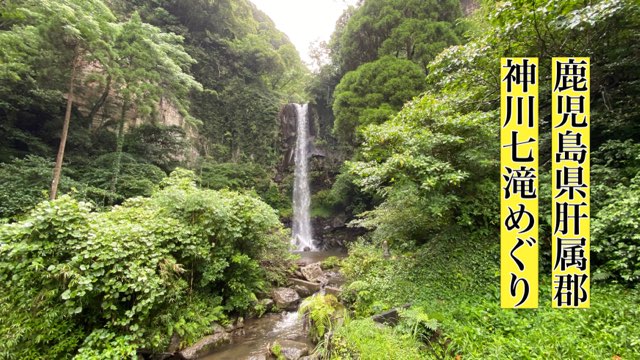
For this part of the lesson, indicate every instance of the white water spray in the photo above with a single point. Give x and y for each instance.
(302, 233)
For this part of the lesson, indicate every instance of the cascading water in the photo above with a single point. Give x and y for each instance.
(302, 232)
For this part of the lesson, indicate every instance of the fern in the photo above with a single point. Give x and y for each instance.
(320, 311)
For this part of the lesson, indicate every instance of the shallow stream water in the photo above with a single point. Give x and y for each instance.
(261, 332)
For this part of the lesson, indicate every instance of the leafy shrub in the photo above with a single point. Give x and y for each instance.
(242, 176)
(163, 146)
(321, 312)
(343, 197)
(106, 283)
(435, 167)
(616, 240)
(331, 262)
(137, 178)
(455, 280)
(26, 182)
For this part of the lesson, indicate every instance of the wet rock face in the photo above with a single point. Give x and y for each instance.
(333, 232)
(313, 272)
(285, 298)
(258, 357)
(288, 130)
(292, 350)
(305, 288)
(174, 344)
(205, 345)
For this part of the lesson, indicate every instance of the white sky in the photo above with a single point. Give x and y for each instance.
(304, 21)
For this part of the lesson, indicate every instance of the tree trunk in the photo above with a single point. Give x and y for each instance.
(119, 146)
(57, 170)
(103, 98)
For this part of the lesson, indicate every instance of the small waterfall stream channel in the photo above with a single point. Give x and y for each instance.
(252, 340)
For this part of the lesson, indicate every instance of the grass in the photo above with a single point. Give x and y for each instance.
(457, 282)
(371, 341)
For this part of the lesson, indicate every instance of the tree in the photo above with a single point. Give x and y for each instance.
(63, 35)
(434, 167)
(148, 65)
(395, 27)
(373, 93)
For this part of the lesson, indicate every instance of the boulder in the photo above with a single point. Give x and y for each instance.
(230, 327)
(205, 345)
(240, 322)
(307, 287)
(339, 221)
(332, 290)
(390, 317)
(292, 350)
(258, 357)
(302, 291)
(174, 344)
(313, 272)
(285, 298)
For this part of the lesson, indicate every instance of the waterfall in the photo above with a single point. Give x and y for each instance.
(302, 233)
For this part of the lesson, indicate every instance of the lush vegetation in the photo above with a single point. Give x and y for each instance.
(153, 84)
(427, 176)
(105, 284)
(115, 95)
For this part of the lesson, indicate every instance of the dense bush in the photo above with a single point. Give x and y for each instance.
(435, 167)
(344, 196)
(616, 240)
(321, 313)
(26, 182)
(242, 176)
(163, 146)
(136, 178)
(103, 284)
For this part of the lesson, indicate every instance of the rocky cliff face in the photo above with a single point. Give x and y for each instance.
(288, 126)
(469, 6)
(96, 99)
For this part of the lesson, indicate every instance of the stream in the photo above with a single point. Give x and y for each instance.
(260, 332)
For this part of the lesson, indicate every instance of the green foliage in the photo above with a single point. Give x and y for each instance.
(415, 30)
(455, 281)
(241, 176)
(276, 350)
(25, 182)
(343, 197)
(148, 67)
(372, 93)
(616, 240)
(480, 329)
(162, 146)
(141, 55)
(129, 278)
(364, 339)
(322, 312)
(137, 178)
(247, 67)
(332, 262)
(417, 323)
(435, 168)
